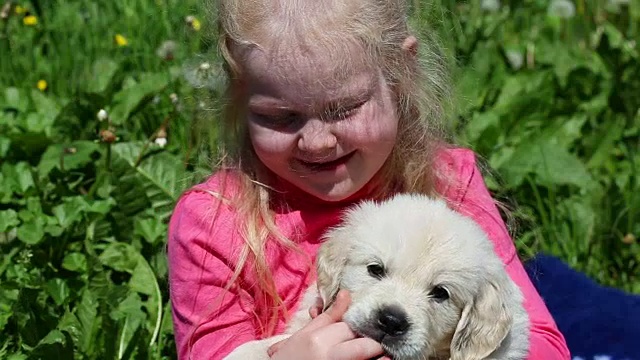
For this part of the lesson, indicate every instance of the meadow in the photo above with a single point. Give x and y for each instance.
(547, 93)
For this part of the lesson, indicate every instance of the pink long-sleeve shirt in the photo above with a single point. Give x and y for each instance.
(204, 243)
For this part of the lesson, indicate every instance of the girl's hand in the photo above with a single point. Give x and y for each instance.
(327, 337)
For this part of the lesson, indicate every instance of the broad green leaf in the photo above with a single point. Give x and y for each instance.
(150, 229)
(127, 101)
(45, 105)
(103, 73)
(161, 176)
(73, 156)
(70, 211)
(15, 99)
(131, 315)
(58, 290)
(31, 232)
(8, 220)
(17, 177)
(5, 143)
(75, 262)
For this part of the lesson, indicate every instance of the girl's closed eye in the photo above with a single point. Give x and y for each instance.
(277, 120)
(341, 112)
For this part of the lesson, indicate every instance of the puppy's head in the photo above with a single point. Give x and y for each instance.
(424, 280)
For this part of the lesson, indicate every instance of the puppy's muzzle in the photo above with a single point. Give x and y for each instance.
(392, 321)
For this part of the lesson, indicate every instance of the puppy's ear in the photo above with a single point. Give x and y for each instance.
(484, 324)
(331, 260)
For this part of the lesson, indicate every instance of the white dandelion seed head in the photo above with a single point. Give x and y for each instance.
(515, 58)
(102, 115)
(203, 74)
(174, 98)
(565, 9)
(161, 141)
(490, 5)
(166, 49)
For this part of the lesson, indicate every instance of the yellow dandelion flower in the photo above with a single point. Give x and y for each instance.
(30, 20)
(19, 10)
(121, 40)
(193, 22)
(196, 25)
(42, 85)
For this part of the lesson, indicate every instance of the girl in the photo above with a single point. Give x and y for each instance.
(328, 103)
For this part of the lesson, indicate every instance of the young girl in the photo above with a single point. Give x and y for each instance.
(328, 103)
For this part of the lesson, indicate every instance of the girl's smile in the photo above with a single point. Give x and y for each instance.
(325, 129)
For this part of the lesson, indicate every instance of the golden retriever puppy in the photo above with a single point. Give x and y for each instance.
(424, 280)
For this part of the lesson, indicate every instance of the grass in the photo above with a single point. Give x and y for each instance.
(548, 103)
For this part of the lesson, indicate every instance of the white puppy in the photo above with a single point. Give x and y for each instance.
(424, 280)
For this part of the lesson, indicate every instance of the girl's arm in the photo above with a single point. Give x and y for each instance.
(208, 321)
(471, 197)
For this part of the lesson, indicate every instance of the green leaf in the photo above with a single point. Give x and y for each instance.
(161, 176)
(73, 156)
(8, 220)
(75, 261)
(15, 99)
(70, 211)
(151, 229)
(31, 232)
(17, 178)
(103, 73)
(127, 101)
(58, 290)
(5, 143)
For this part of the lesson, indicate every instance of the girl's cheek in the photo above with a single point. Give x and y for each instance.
(269, 141)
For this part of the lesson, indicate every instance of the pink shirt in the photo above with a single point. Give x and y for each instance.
(204, 242)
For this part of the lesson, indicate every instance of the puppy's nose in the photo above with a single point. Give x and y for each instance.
(393, 320)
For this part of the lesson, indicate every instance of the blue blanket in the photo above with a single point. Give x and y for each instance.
(598, 323)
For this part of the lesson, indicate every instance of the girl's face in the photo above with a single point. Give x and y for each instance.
(326, 130)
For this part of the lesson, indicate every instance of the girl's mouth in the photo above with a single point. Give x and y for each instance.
(329, 165)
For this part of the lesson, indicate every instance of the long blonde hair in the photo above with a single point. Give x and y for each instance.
(421, 86)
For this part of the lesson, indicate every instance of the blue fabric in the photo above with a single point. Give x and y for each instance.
(599, 323)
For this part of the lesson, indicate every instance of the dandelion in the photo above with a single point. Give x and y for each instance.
(121, 40)
(161, 137)
(193, 22)
(108, 136)
(19, 10)
(629, 239)
(30, 20)
(515, 58)
(203, 75)
(174, 98)
(490, 5)
(102, 115)
(166, 50)
(42, 85)
(6, 10)
(562, 8)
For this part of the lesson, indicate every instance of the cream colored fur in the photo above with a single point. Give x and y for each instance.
(420, 243)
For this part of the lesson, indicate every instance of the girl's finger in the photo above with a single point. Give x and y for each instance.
(357, 349)
(333, 314)
(316, 308)
(275, 347)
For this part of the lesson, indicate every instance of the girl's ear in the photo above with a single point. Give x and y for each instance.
(410, 45)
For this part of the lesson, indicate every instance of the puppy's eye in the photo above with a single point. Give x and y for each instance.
(376, 270)
(439, 293)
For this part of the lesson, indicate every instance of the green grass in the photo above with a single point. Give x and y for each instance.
(550, 104)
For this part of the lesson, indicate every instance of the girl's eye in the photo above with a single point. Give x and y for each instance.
(343, 112)
(277, 121)
(439, 293)
(376, 270)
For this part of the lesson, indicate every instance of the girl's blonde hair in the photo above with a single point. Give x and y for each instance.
(420, 85)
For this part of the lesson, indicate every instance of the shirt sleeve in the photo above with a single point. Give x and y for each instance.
(209, 321)
(473, 200)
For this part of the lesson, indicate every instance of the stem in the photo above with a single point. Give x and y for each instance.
(164, 124)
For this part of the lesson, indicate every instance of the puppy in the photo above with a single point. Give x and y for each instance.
(425, 283)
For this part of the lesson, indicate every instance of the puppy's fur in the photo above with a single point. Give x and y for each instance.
(424, 281)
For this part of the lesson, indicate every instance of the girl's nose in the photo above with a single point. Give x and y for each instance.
(316, 136)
